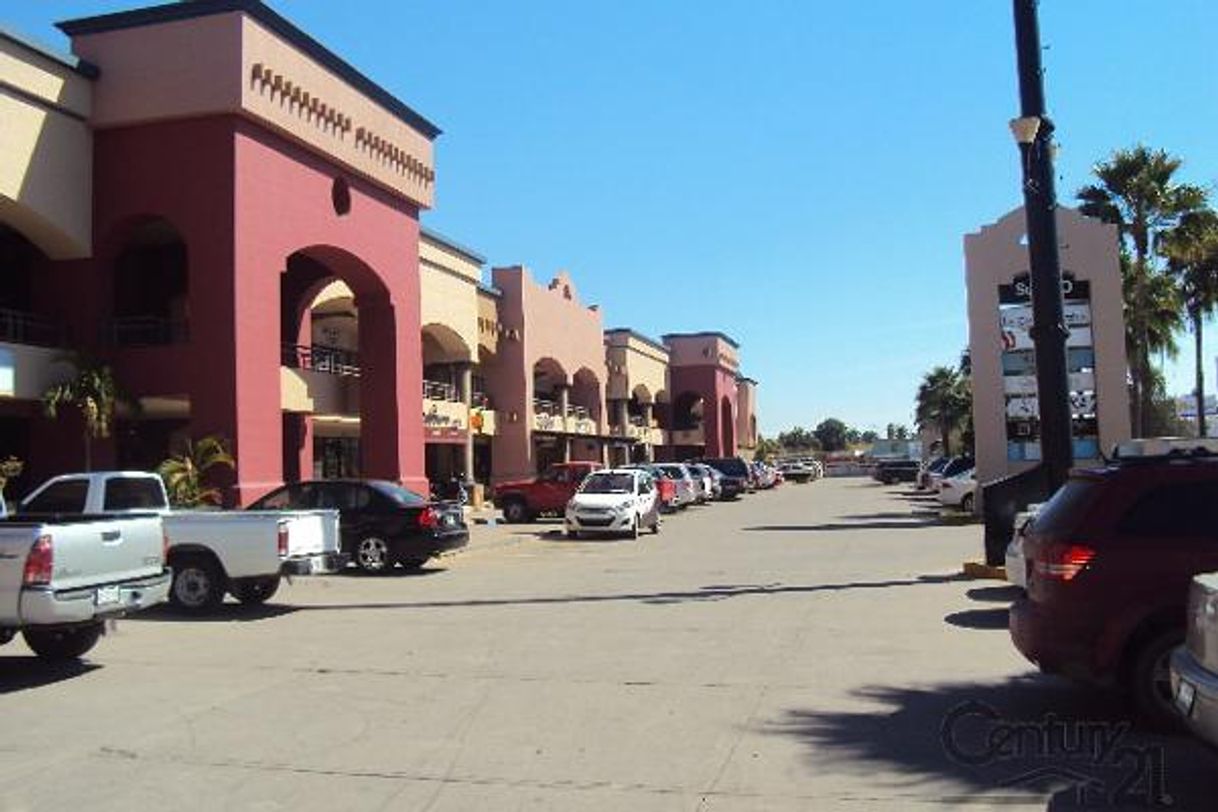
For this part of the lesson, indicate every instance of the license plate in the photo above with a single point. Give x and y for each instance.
(107, 595)
(1185, 694)
(449, 520)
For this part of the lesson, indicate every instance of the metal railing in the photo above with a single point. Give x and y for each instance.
(543, 406)
(148, 331)
(577, 411)
(320, 358)
(437, 390)
(18, 327)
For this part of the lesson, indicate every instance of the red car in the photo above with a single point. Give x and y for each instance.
(666, 488)
(548, 494)
(1109, 561)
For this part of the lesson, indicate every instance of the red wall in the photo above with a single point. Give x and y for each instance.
(244, 199)
(713, 383)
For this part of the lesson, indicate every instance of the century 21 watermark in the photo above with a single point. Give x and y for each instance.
(1095, 762)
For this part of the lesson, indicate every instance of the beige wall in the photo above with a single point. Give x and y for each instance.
(995, 256)
(231, 63)
(490, 328)
(46, 151)
(688, 350)
(632, 363)
(746, 404)
(449, 283)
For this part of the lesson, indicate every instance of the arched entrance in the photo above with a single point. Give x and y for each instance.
(727, 422)
(551, 401)
(447, 399)
(151, 279)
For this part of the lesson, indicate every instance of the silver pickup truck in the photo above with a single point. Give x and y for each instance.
(62, 577)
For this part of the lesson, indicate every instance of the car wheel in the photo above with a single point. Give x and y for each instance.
(57, 645)
(256, 591)
(516, 512)
(372, 555)
(1149, 679)
(198, 584)
(966, 504)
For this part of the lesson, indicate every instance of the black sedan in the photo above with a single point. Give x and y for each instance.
(381, 523)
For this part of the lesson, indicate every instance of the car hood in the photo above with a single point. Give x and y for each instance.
(601, 500)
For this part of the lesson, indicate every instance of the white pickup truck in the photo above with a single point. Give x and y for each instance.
(211, 552)
(61, 578)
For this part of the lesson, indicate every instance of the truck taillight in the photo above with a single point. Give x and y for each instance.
(283, 540)
(429, 517)
(1063, 561)
(40, 563)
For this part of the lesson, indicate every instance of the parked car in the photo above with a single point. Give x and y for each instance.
(797, 471)
(61, 577)
(1194, 666)
(735, 476)
(702, 474)
(890, 472)
(615, 501)
(716, 482)
(546, 495)
(1110, 558)
(683, 479)
(763, 475)
(211, 552)
(381, 523)
(959, 491)
(1016, 565)
(666, 488)
(954, 466)
(929, 469)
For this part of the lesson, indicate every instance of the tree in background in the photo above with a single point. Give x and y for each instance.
(944, 402)
(767, 448)
(1137, 193)
(831, 434)
(798, 439)
(869, 436)
(93, 392)
(1191, 249)
(184, 473)
(896, 431)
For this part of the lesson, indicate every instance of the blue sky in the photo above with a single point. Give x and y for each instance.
(799, 175)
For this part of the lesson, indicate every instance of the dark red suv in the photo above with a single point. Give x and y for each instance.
(1109, 561)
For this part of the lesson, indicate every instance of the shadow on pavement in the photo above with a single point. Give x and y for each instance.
(1018, 739)
(708, 593)
(224, 613)
(996, 594)
(432, 568)
(911, 523)
(980, 619)
(22, 673)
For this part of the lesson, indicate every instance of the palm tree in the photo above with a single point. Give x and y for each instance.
(183, 473)
(1191, 249)
(1137, 193)
(943, 401)
(93, 392)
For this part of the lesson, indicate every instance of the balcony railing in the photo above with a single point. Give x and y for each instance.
(148, 331)
(543, 406)
(17, 327)
(320, 358)
(436, 390)
(577, 411)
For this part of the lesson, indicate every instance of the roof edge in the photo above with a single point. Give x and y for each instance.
(85, 69)
(705, 334)
(651, 342)
(173, 12)
(453, 245)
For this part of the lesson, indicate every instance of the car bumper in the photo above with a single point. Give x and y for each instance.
(1195, 689)
(1048, 641)
(319, 564)
(1016, 569)
(47, 607)
(598, 524)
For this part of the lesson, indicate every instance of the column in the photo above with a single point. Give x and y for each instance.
(466, 372)
(622, 407)
(649, 452)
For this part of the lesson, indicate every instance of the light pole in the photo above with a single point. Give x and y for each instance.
(1034, 132)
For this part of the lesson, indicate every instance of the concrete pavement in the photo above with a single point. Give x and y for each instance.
(802, 649)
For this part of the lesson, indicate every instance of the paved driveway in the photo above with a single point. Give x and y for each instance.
(806, 648)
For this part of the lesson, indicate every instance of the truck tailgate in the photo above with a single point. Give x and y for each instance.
(310, 532)
(15, 543)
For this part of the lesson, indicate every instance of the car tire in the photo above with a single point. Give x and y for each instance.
(634, 527)
(1148, 679)
(516, 512)
(198, 584)
(61, 645)
(255, 591)
(373, 556)
(966, 503)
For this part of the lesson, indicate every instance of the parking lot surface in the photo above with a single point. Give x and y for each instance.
(811, 647)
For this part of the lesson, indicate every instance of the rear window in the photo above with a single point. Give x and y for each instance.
(398, 494)
(61, 497)
(1184, 510)
(731, 467)
(133, 493)
(1062, 513)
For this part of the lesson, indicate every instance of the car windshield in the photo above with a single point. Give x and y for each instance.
(608, 483)
(399, 495)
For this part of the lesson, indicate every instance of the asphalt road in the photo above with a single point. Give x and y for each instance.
(807, 648)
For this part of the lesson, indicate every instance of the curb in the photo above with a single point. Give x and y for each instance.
(976, 569)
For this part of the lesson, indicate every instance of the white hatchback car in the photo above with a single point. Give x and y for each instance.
(614, 501)
(959, 491)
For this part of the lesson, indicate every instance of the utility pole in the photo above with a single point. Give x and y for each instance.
(1034, 132)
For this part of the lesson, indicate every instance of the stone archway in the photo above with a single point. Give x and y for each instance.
(727, 422)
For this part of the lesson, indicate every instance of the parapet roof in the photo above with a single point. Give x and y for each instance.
(171, 12)
(85, 69)
(707, 334)
(651, 342)
(452, 245)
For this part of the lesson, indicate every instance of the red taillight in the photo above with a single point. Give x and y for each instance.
(40, 563)
(283, 540)
(429, 517)
(1064, 561)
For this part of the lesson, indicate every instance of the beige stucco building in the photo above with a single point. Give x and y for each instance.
(1005, 411)
(638, 393)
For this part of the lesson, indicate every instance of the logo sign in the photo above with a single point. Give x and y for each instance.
(1020, 289)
